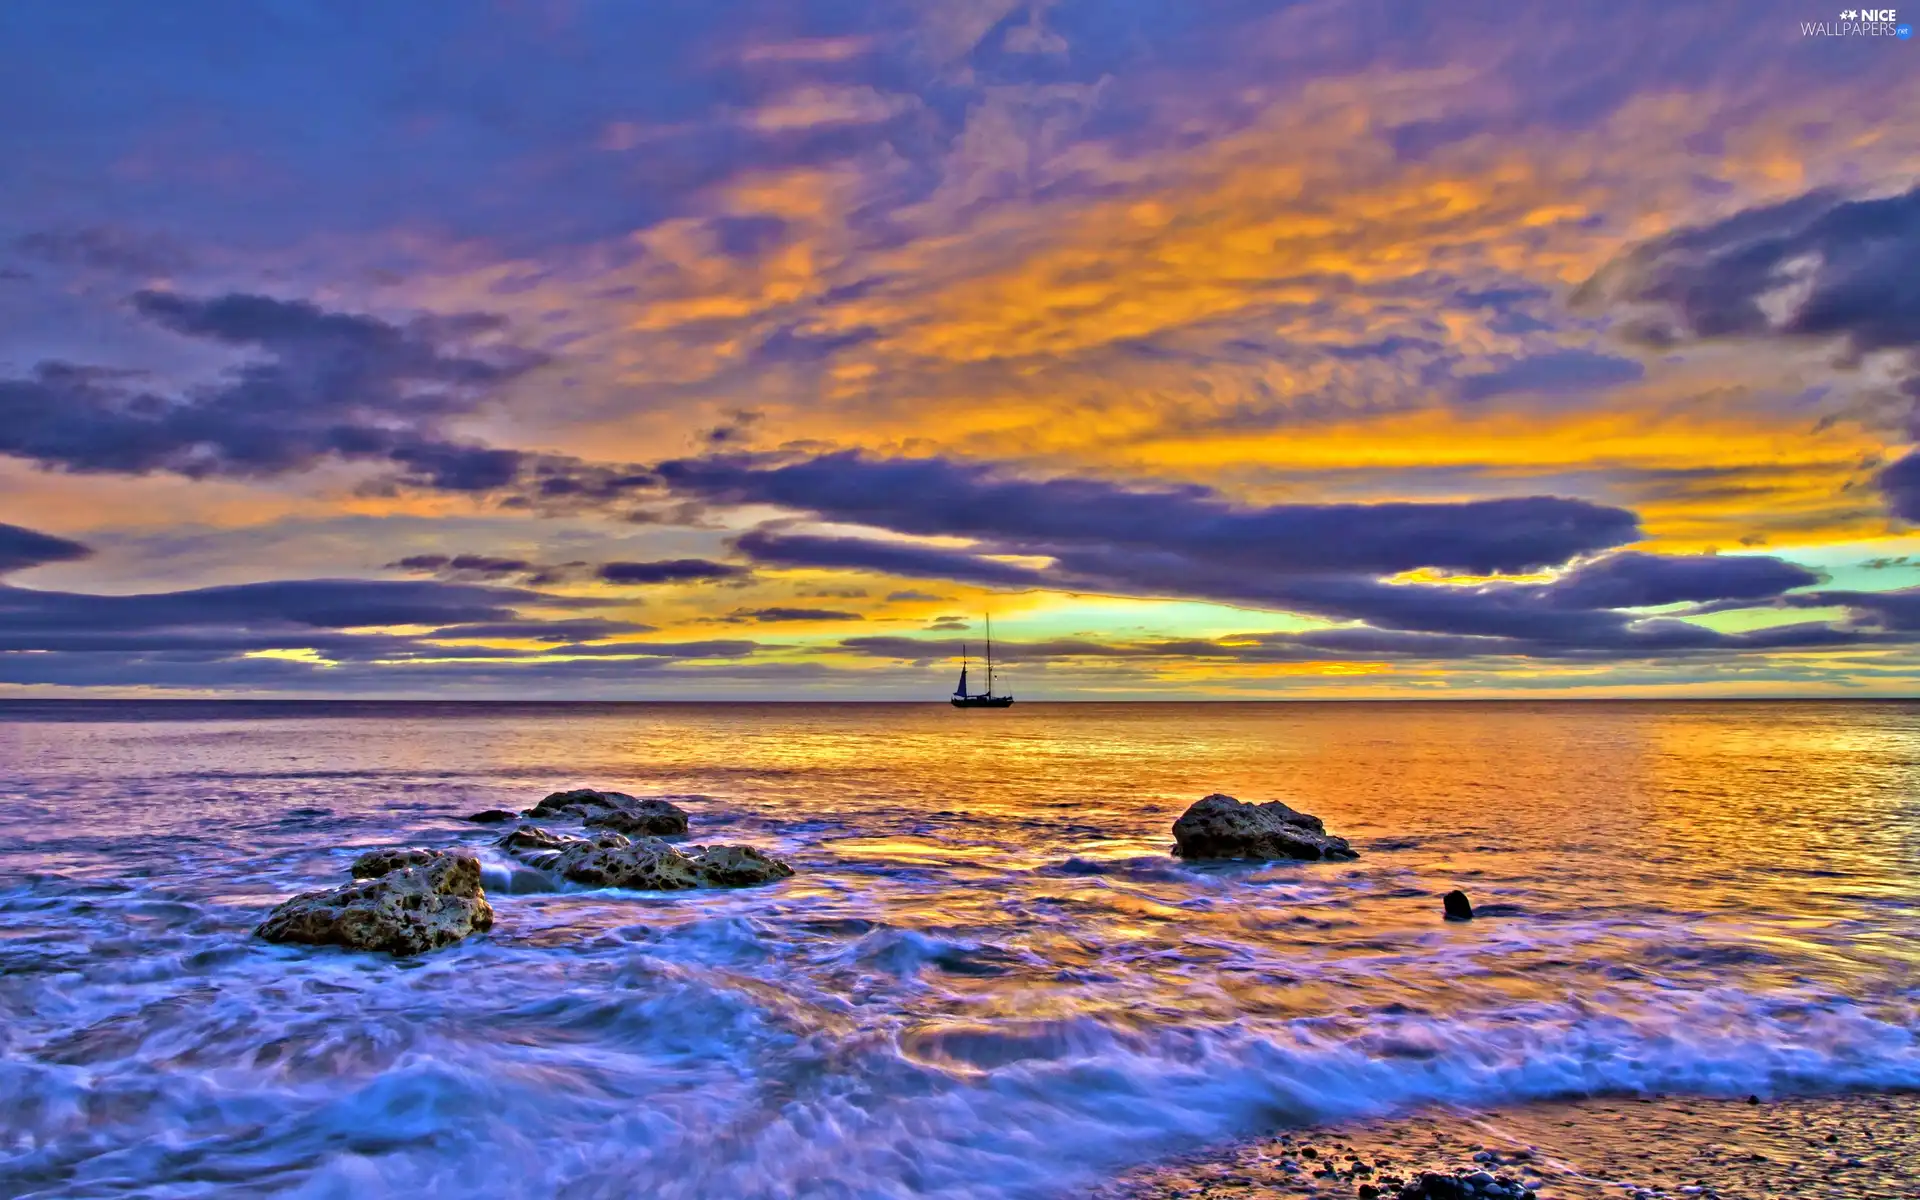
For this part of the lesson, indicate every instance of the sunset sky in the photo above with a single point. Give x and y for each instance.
(630, 349)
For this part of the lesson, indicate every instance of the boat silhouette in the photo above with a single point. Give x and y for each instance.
(961, 698)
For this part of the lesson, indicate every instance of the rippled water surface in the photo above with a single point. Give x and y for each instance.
(989, 977)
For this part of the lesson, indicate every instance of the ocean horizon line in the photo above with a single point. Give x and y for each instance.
(500, 702)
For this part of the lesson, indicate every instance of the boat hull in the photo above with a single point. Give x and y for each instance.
(981, 701)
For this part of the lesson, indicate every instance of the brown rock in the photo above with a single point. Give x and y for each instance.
(738, 866)
(533, 837)
(406, 910)
(379, 862)
(642, 818)
(1222, 827)
(610, 859)
(614, 810)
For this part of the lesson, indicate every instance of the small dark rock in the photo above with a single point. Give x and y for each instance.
(1459, 908)
(493, 816)
(1478, 1185)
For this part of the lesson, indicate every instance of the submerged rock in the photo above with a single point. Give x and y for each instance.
(493, 816)
(614, 810)
(415, 906)
(1223, 827)
(610, 859)
(1458, 907)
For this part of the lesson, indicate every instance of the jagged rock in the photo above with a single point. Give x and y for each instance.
(379, 862)
(610, 859)
(533, 837)
(614, 810)
(642, 818)
(614, 860)
(493, 816)
(405, 910)
(1223, 827)
(738, 866)
(1458, 907)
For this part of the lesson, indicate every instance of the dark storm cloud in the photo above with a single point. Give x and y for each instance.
(1897, 611)
(1330, 561)
(575, 629)
(208, 637)
(534, 574)
(671, 570)
(1819, 267)
(892, 558)
(299, 603)
(1636, 580)
(1654, 640)
(1855, 261)
(711, 648)
(936, 496)
(1901, 484)
(23, 548)
(494, 676)
(321, 385)
(766, 616)
(481, 565)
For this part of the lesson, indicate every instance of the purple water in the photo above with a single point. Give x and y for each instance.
(989, 977)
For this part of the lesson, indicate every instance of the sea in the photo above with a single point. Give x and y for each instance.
(989, 976)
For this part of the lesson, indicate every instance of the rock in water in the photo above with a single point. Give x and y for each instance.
(1222, 827)
(1459, 908)
(610, 859)
(617, 811)
(415, 906)
(493, 816)
(614, 860)
(738, 866)
(532, 837)
(379, 862)
(643, 818)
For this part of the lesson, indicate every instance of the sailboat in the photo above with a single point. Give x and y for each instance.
(961, 698)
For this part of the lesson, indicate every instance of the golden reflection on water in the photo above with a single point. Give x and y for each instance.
(1619, 846)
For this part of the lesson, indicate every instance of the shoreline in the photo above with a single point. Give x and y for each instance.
(1856, 1146)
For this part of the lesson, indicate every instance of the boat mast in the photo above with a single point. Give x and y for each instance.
(989, 654)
